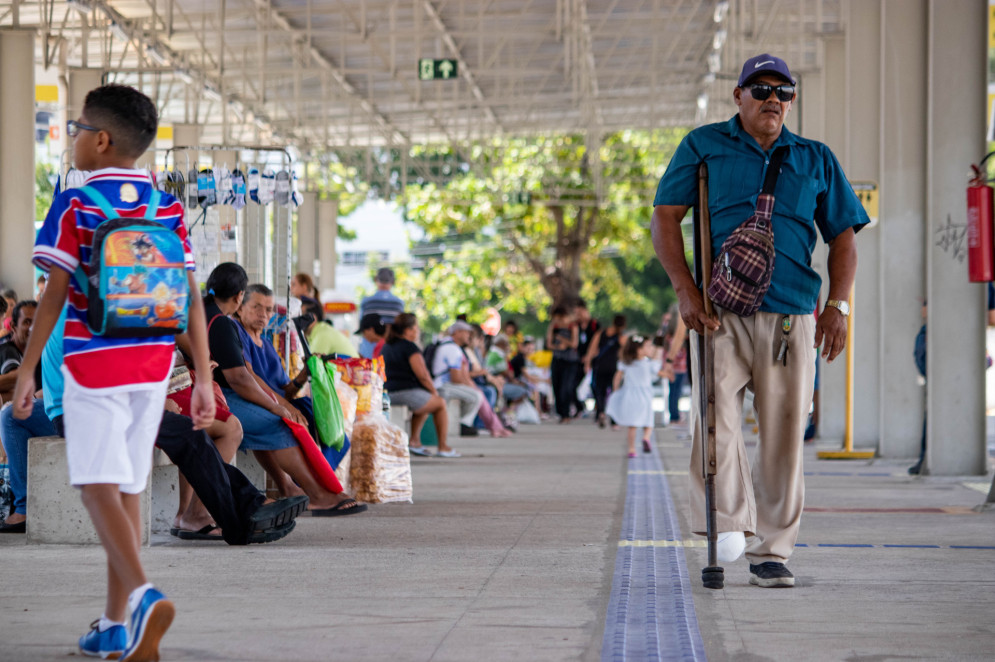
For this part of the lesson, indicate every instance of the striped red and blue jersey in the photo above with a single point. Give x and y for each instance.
(64, 242)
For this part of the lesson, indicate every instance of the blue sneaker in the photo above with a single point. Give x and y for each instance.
(108, 644)
(148, 622)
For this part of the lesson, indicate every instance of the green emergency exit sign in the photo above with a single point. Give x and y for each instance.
(429, 69)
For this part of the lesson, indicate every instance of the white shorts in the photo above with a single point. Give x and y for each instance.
(110, 435)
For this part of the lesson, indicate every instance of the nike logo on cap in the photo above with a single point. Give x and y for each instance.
(760, 64)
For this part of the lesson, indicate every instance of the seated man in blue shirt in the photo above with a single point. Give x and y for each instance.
(812, 196)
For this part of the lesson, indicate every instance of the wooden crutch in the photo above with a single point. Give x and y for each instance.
(712, 576)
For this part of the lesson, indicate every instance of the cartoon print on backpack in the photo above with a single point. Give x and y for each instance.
(137, 284)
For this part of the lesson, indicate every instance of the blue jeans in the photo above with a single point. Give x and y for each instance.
(675, 395)
(15, 434)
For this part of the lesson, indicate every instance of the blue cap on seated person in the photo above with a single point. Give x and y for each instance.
(764, 63)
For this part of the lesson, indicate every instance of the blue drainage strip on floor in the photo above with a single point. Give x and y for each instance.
(651, 611)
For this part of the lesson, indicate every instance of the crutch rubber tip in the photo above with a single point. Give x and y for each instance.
(713, 577)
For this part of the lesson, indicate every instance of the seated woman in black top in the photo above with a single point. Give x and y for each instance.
(264, 433)
(410, 384)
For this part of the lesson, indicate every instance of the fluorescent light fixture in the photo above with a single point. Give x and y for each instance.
(82, 6)
(702, 101)
(721, 9)
(714, 63)
(719, 40)
(708, 78)
(183, 75)
(119, 32)
(155, 54)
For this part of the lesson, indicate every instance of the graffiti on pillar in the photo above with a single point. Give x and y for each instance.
(950, 238)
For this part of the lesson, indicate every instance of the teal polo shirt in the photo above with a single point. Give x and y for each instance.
(811, 192)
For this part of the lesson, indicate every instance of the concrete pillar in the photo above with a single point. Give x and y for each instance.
(832, 379)
(307, 232)
(862, 163)
(78, 83)
(902, 229)
(17, 148)
(328, 231)
(954, 96)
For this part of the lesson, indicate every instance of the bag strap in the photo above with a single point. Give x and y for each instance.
(774, 169)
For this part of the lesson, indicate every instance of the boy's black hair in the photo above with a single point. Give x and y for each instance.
(126, 114)
(619, 321)
(15, 315)
(226, 281)
(3, 306)
(560, 310)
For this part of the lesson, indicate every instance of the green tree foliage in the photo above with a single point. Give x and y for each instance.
(521, 223)
(45, 175)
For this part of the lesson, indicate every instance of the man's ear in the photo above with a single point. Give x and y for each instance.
(737, 95)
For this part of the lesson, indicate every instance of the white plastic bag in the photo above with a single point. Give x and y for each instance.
(584, 388)
(527, 414)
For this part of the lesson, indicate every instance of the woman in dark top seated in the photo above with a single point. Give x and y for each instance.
(264, 433)
(410, 384)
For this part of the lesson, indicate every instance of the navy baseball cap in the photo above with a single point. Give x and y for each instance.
(764, 63)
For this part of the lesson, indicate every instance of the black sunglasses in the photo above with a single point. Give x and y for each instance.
(761, 91)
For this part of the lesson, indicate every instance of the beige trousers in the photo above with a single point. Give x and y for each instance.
(766, 502)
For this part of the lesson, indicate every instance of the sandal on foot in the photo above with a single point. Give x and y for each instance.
(419, 450)
(646, 446)
(347, 507)
(632, 455)
(203, 533)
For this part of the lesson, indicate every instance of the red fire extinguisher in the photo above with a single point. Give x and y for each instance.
(980, 252)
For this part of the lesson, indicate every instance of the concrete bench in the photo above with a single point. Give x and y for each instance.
(57, 512)
(400, 416)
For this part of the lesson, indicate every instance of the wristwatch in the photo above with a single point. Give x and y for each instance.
(841, 306)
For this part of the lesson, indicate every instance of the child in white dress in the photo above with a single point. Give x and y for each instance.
(632, 404)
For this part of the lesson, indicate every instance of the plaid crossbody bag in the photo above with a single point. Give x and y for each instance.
(742, 270)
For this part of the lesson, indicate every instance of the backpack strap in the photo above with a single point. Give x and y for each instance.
(774, 169)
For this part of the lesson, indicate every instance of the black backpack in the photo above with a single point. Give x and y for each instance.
(429, 354)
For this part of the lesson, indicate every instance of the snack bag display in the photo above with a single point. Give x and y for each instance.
(366, 377)
(380, 470)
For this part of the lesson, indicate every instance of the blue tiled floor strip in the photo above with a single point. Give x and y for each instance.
(651, 611)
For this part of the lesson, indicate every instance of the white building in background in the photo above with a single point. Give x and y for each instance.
(381, 237)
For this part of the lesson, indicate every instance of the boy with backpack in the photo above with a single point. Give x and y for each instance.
(117, 364)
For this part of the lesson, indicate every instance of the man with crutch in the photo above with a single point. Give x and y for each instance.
(772, 351)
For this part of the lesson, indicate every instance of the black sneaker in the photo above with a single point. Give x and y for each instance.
(771, 575)
(468, 431)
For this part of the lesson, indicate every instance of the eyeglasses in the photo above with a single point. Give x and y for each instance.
(761, 91)
(73, 128)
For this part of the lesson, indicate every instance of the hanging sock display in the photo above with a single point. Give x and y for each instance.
(295, 196)
(222, 179)
(253, 184)
(237, 189)
(192, 193)
(206, 191)
(267, 186)
(282, 195)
